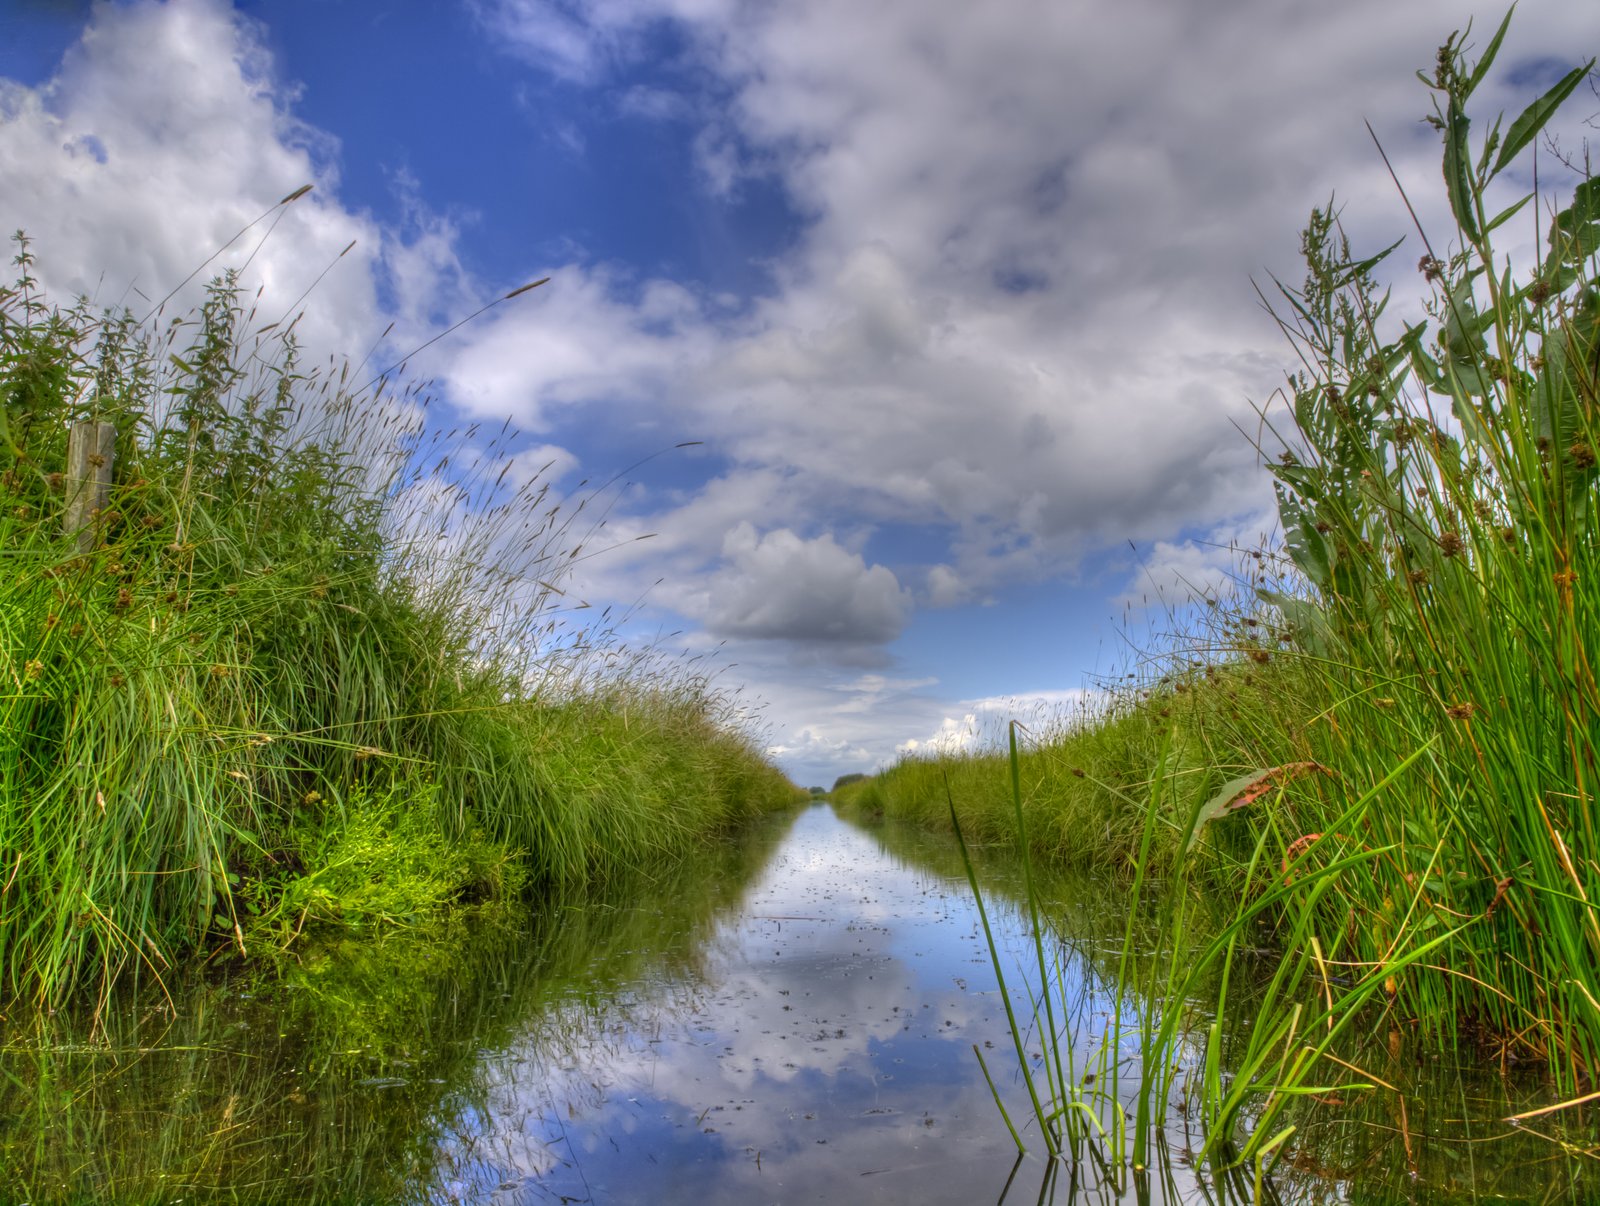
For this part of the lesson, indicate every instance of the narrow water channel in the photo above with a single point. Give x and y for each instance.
(789, 1017)
(822, 1053)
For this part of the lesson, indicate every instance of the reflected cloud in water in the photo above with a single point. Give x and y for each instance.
(824, 1053)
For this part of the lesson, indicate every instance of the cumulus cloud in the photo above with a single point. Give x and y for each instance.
(162, 135)
(953, 736)
(590, 339)
(809, 748)
(781, 585)
(1016, 315)
(1174, 573)
(946, 588)
(1020, 310)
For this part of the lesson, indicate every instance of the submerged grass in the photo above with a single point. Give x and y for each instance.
(305, 663)
(1395, 779)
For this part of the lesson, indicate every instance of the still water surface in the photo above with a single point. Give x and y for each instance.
(785, 1018)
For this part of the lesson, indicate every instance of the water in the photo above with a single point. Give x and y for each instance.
(787, 1018)
(822, 1052)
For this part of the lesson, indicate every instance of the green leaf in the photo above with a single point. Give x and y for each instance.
(1427, 368)
(1458, 168)
(1347, 274)
(1533, 118)
(1467, 378)
(1505, 215)
(1482, 69)
(1308, 548)
(1308, 623)
(1575, 232)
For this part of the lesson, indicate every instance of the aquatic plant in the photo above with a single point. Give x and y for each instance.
(1401, 732)
(1437, 495)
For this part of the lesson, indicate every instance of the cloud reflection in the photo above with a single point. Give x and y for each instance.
(822, 1053)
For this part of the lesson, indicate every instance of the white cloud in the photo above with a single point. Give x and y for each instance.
(946, 588)
(807, 747)
(869, 692)
(586, 339)
(1174, 573)
(780, 585)
(953, 736)
(1020, 309)
(192, 140)
(1016, 317)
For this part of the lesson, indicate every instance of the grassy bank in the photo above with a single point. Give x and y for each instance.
(365, 1079)
(1086, 776)
(303, 664)
(1396, 777)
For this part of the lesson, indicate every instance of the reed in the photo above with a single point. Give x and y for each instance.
(1385, 755)
(304, 614)
(1437, 491)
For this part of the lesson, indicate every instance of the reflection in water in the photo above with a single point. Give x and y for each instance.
(824, 1055)
(787, 1018)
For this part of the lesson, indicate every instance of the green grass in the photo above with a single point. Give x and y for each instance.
(309, 646)
(1386, 754)
(259, 1085)
(1078, 772)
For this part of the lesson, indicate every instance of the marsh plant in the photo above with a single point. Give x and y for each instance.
(1388, 766)
(1437, 494)
(312, 661)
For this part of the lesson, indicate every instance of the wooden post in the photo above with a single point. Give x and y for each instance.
(90, 449)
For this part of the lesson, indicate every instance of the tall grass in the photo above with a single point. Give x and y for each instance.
(1409, 751)
(354, 1072)
(301, 600)
(1438, 495)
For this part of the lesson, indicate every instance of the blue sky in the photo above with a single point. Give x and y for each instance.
(956, 298)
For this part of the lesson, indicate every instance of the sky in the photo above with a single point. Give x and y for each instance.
(954, 303)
